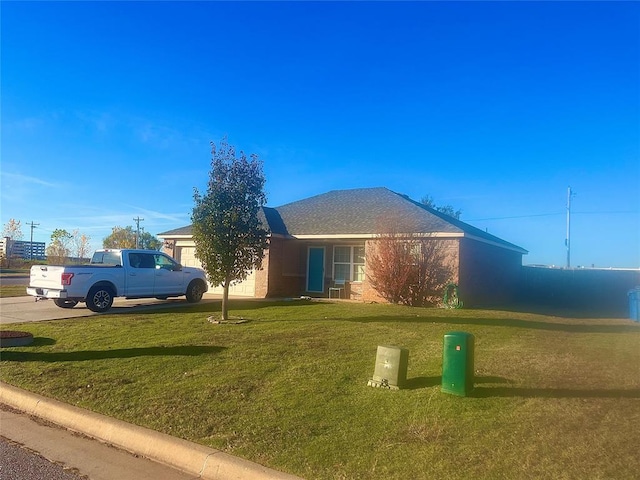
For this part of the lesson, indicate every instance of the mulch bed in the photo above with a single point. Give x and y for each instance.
(15, 338)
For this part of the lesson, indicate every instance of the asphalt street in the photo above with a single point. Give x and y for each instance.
(17, 462)
(32, 449)
(14, 280)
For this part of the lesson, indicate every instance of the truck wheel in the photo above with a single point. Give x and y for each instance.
(100, 299)
(64, 303)
(195, 290)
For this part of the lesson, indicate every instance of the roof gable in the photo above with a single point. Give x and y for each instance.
(358, 212)
(366, 211)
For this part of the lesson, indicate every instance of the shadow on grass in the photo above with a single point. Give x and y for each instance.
(42, 342)
(88, 355)
(464, 317)
(207, 305)
(417, 383)
(566, 312)
(490, 392)
(508, 322)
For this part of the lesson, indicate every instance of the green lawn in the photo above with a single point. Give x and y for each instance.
(13, 291)
(555, 398)
(14, 272)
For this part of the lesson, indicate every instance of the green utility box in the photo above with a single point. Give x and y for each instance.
(391, 367)
(457, 363)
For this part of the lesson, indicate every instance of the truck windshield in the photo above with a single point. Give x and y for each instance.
(106, 258)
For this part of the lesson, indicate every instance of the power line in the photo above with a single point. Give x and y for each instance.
(613, 212)
(138, 220)
(567, 242)
(516, 216)
(32, 225)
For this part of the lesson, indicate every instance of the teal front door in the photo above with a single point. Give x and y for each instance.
(315, 269)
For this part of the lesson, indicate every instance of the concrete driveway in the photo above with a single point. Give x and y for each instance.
(26, 309)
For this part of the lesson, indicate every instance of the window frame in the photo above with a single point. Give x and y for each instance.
(352, 264)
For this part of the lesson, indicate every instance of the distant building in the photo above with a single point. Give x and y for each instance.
(21, 249)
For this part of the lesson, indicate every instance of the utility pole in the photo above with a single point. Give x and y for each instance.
(567, 241)
(138, 220)
(32, 225)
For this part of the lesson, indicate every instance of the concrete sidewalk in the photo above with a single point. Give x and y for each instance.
(85, 456)
(186, 460)
(26, 309)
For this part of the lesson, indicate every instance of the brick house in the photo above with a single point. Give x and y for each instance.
(321, 239)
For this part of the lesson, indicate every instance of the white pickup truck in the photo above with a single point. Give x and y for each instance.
(117, 273)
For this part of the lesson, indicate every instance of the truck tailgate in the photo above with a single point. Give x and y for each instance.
(46, 276)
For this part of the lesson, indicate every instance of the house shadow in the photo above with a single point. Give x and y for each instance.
(207, 305)
(576, 312)
(88, 355)
(591, 327)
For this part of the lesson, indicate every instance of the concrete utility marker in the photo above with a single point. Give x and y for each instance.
(191, 458)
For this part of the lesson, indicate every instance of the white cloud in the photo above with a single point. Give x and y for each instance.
(25, 179)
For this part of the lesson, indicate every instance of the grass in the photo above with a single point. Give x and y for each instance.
(13, 291)
(555, 397)
(14, 272)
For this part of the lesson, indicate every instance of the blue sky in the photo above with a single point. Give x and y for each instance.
(496, 108)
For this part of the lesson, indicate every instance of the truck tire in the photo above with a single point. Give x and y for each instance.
(99, 299)
(64, 303)
(195, 290)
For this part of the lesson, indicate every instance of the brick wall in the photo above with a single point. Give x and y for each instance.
(262, 276)
(286, 269)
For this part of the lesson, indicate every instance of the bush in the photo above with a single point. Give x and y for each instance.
(408, 268)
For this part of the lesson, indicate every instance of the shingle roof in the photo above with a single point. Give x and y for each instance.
(177, 232)
(360, 211)
(367, 210)
(269, 217)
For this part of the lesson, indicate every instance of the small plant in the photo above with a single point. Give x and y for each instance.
(451, 297)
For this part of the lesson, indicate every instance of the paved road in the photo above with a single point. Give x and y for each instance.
(26, 309)
(14, 280)
(53, 453)
(19, 463)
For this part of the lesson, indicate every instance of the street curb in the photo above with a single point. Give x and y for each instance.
(189, 457)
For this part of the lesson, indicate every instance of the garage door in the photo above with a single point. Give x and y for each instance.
(187, 257)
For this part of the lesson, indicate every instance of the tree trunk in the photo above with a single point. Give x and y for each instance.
(225, 300)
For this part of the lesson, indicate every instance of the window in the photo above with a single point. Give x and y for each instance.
(134, 260)
(348, 263)
(146, 260)
(106, 258)
(165, 262)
